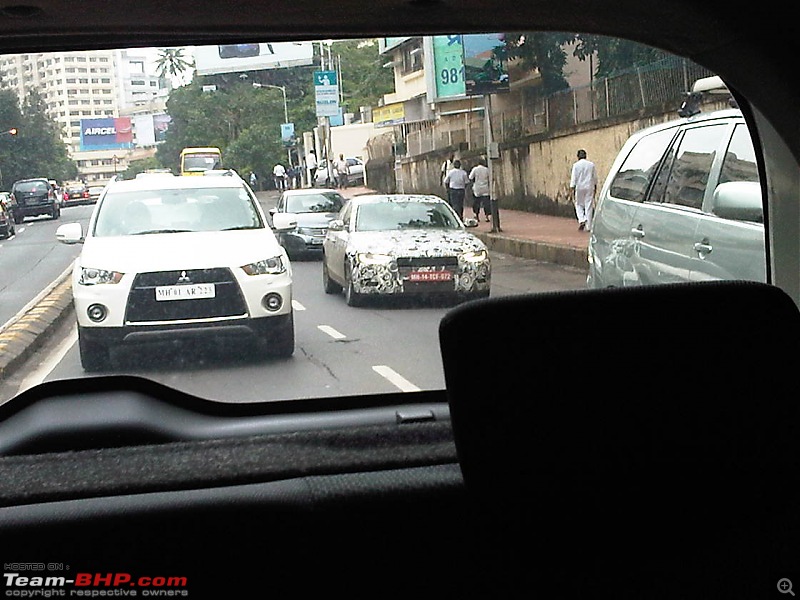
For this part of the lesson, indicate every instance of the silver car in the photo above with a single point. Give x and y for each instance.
(403, 245)
(682, 202)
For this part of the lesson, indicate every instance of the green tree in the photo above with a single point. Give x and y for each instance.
(542, 51)
(37, 150)
(172, 62)
(547, 52)
(615, 54)
(244, 121)
(363, 80)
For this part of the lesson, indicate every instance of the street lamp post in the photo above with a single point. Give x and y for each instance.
(285, 108)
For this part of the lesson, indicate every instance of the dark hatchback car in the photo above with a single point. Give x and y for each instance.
(301, 219)
(34, 197)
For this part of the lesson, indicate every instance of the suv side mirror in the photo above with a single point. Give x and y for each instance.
(284, 221)
(739, 200)
(70, 233)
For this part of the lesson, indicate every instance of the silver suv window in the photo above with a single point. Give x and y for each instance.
(634, 176)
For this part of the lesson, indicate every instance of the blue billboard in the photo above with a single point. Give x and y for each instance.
(112, 133)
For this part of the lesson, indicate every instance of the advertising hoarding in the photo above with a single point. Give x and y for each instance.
(150, 129)
(448, 61)
(235, 58)
(484, 73)
(326, 93)
(391, 114)
(112, 133)
(288, 137)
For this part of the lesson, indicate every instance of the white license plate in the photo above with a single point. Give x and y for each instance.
(185, 292)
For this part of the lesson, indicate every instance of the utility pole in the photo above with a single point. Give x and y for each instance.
(285, 109)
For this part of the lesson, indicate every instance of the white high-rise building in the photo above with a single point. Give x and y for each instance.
(84, 85)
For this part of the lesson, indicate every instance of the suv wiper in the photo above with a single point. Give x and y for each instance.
(240, 227)
(162, 231)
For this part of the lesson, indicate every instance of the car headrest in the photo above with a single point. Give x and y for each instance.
(593, 400)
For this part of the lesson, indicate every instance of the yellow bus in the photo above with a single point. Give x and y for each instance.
(194, 161)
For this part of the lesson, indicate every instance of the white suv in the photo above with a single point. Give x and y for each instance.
(174, 256)
(682, 202)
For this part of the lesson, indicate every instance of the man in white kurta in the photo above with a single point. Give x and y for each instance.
(583, 184)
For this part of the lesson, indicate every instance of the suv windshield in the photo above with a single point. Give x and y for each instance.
(480, 121)
(159, 211)
(314, 203)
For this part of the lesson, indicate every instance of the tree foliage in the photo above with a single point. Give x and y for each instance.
(245, 121)
(616, 54)
(547, 52)
(37, 149)
(172, 62)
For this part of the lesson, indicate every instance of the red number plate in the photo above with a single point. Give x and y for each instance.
(430, 276)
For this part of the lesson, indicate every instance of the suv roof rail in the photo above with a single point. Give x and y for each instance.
(706, 86)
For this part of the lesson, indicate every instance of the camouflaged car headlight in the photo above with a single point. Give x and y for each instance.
(475, 256)
(268, 266)
(368, 258)
(90, 276)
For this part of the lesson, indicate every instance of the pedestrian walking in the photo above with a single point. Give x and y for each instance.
(279, 176)
(445, 169)
(253, 180)
(479, 176)
(583, 185)
(311, 165)
(456, 182)
(342, 171)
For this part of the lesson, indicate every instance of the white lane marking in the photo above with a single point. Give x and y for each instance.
(297, 306)
(55, 357)
(331, 332)
(400, 382)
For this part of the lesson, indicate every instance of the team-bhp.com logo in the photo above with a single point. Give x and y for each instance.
(93, 585)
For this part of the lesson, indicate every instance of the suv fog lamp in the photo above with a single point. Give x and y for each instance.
(272, 301)
(97, 312)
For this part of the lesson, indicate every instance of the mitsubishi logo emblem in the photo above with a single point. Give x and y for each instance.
(183, 278)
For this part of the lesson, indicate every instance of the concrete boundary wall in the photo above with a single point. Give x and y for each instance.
(533, 174)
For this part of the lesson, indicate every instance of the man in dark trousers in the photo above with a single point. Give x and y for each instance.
(456, 182)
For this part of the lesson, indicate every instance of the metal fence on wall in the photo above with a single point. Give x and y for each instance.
(653, 85)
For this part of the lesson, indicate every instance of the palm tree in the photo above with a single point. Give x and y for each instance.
(171, 62)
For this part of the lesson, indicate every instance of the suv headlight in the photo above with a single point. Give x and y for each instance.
(476, 256)
(90, 276)
(268, 266)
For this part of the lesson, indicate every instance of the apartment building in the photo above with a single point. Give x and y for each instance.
(82, 88)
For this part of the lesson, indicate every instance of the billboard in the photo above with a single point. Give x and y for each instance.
(150, 129)
(448, 63)
(235, 58)
(112, 133)
(484, 72)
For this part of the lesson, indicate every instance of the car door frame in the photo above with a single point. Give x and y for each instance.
(724, 247)
(665, 233)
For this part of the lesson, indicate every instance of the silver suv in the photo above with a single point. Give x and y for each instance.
(682, 202)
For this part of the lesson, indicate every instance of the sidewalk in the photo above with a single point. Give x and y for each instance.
(528, 235)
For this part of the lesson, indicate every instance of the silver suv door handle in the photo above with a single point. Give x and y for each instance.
(637, 232)
(703, 247)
